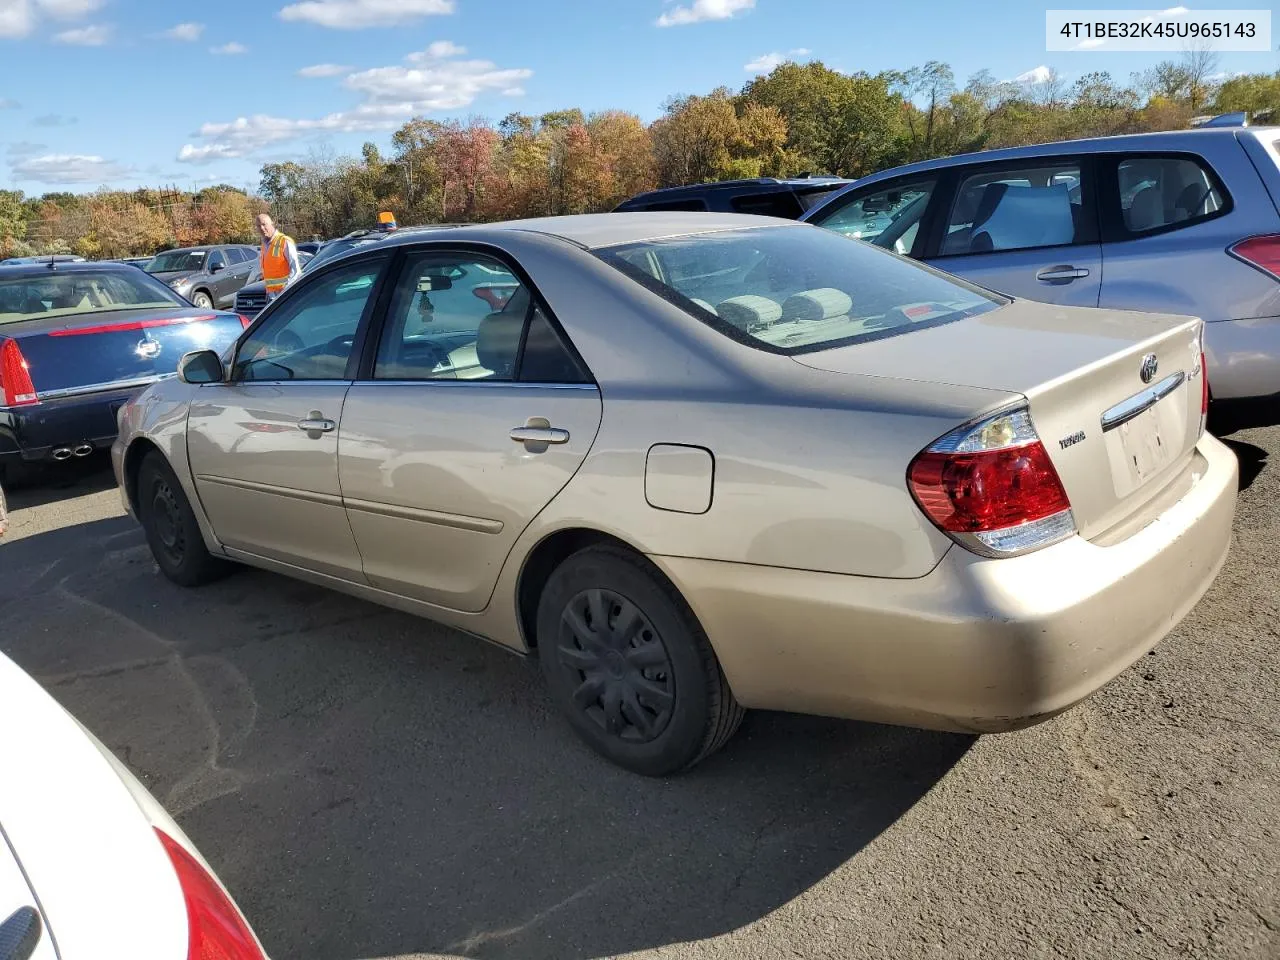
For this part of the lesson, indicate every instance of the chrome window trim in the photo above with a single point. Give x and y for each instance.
(1140, 403)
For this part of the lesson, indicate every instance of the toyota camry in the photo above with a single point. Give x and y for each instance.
(697, 463)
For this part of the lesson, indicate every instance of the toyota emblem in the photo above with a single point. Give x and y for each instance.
(1149, 367)
(149, 349)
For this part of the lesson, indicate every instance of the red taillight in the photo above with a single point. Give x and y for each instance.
(245, 321)
(993, 487)
(216, 929)
(1204, 385)
(1261, 252)
(15, 376)
(127, 325)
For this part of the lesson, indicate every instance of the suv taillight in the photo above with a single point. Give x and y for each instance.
(216, 931)
(992, 488)
(15, 378)
(1261, 252)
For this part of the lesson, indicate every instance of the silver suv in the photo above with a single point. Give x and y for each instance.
(1184, 222)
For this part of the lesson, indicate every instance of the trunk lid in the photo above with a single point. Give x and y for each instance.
(112, 348)
(1116, 438)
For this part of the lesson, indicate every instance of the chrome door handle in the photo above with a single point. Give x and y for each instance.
(1062, 274)
(315, 424)
(539, 435)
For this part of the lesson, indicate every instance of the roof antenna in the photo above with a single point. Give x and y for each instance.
(53, 263)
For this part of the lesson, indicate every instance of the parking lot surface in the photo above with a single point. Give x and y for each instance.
(370, 785)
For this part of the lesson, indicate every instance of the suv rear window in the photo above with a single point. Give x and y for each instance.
(781, 204)
(793, 289)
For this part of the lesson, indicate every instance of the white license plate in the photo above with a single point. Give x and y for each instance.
(1143, 447)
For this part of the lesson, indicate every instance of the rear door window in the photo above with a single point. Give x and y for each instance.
(1002, 208)
(1159, 193)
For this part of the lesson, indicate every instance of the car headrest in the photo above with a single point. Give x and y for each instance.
(498, 336)
(1146, 211)
(749, 312)
(987, 205)
(821, 304)
(1191, 201)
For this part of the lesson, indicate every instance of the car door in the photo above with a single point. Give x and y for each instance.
(474, 413)
(238, 269)
(1028, 228)
(263, 446)
(216, 269)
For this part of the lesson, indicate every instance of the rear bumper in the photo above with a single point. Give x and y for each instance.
(977, 645)
(33, 433)
(1243, 357)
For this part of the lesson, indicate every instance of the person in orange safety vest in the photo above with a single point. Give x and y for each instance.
(279, 257)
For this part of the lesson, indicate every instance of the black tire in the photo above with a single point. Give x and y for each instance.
(172, 531)
(646, 691)
(202, 300)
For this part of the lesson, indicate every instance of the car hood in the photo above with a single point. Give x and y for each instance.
(104, 882)
(257, 286)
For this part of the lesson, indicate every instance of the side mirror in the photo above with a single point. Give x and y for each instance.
(217, 268)
(200, 366)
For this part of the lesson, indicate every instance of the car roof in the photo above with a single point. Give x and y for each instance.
(593, 231)
(42, 268)
(1158, 140)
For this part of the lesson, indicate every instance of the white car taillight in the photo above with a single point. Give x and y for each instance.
(216, 931)
(992, 488)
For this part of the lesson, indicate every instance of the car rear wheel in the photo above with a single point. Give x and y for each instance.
(202, 300)
(629, 666)
(172, 531)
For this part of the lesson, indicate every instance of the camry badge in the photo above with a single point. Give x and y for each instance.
(1149, 367)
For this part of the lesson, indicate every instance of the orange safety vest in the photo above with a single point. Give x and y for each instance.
(275, 265)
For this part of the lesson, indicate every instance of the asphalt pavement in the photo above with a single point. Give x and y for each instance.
(370, 785)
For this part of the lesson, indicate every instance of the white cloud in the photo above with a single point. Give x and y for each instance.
(323, 70)
(188, 32)
(8, 104)
(17, 19)
(229, 49)
(1090, 43)
(93, 36)
(432, 80)
(359, 14)
(701, 10)
(1176, 11)
(68, 168)
(1040, 74)
(69, 9)
(52, 120)
(769, 61)
(441, 49)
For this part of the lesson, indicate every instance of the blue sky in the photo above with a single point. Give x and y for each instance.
(129, 92)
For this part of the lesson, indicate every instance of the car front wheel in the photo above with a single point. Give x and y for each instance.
(629, 666)
(171, 527)
(202, 300)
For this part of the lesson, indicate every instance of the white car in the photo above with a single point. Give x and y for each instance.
(91, 866)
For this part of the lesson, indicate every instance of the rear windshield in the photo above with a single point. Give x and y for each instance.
(62, 294)
(175, 260)
(797, 289)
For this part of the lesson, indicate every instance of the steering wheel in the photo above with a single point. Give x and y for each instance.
(287, 341)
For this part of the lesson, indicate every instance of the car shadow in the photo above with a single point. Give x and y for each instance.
(53, 482)
(1231, 416)
(1253, 460)
(369, 784)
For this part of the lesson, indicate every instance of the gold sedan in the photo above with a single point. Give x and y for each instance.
(701, 462)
